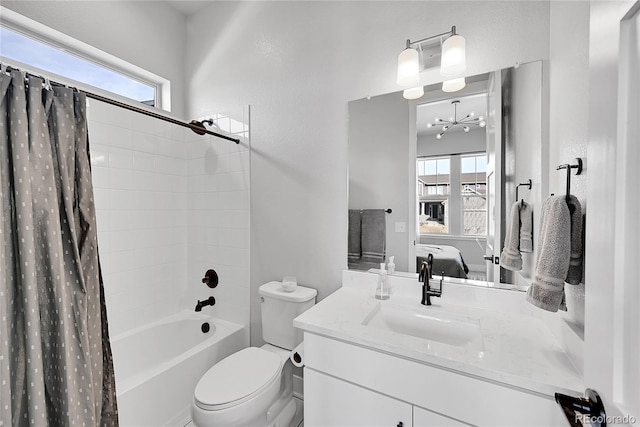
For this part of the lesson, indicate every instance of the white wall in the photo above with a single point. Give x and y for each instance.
(297, 64)
(149, 34)
(569, 132)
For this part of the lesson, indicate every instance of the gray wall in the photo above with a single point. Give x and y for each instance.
(379, 168)
(522, 88)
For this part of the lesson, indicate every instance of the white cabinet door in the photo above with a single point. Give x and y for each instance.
(337, 403)
(425, 418)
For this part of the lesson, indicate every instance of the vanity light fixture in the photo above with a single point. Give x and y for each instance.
(453, 61)
(413, 93)
(453, 85)
(465, 122)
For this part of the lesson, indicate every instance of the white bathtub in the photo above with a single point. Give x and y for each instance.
(157, 366)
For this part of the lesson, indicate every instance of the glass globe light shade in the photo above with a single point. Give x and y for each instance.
(413, 93)
(454, 59)
(408, 68)
(453, 85)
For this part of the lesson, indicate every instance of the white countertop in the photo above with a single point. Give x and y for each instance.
(518, 349)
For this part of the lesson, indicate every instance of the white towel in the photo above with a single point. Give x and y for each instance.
(554, 253)
(526, 227)
(510, 257)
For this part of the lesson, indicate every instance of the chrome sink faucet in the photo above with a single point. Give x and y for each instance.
(425, 276)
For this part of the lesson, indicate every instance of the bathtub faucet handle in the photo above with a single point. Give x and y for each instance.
(209, 301)
(210, 278)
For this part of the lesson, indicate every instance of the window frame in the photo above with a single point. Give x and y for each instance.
(43, 34)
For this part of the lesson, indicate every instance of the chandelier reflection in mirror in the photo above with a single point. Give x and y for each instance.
(465, 122)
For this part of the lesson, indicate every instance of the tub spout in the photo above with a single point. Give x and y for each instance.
(209, 301)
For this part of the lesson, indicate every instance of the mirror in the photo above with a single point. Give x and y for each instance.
(451, 195)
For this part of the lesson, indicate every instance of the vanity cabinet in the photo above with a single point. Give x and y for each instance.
(351, 385)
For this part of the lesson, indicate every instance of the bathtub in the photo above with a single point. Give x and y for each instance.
(157, 366)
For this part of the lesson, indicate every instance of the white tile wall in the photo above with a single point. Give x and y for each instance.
(218, 216)
(170, 204)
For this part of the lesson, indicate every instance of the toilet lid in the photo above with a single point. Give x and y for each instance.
(237, 378)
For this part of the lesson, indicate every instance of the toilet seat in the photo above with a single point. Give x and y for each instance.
(237, 378)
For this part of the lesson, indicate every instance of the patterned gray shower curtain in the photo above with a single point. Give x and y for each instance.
(55, 357)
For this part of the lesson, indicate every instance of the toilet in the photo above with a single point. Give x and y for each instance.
(254, 386)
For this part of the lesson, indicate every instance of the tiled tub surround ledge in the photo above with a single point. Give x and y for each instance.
(518, 348)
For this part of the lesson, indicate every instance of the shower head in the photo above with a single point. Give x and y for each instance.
(197, 125)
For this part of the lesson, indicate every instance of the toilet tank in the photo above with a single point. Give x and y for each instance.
(279, 308)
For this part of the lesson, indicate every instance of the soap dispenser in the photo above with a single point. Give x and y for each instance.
(391, 267)
(382, 290)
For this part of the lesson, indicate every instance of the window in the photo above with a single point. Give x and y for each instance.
(452, 194)
(473, 181)
(75, 62)
(433, 188)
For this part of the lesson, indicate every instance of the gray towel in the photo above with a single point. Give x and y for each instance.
(510, 257)
(526, 227)
(354, 250)
(554, 252)
(374, 235)
(574, 275)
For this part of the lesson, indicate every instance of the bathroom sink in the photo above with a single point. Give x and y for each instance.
(426, 322)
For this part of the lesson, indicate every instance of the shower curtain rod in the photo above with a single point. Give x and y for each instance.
(195, 126)
(200, 130)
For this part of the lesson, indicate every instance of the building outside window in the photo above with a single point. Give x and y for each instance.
(436, 203)
(473, 181)
(433, 183)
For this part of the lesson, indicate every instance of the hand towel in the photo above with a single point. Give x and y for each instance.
(526, 227)
(354, 250)
(374, 235)
(574, 275)
(510, 257)
(554, 252)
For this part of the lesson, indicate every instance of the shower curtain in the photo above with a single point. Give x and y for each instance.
(55, 358)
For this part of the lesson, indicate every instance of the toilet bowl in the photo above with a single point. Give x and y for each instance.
(254, 387)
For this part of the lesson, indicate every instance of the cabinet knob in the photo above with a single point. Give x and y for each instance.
(400, 424)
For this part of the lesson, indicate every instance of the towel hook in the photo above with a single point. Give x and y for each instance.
(568, 167)
(527, 184)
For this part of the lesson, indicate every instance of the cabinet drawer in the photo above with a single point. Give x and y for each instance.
(336, 403)
(425, 418)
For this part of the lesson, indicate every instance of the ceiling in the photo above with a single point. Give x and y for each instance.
(188, 7)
